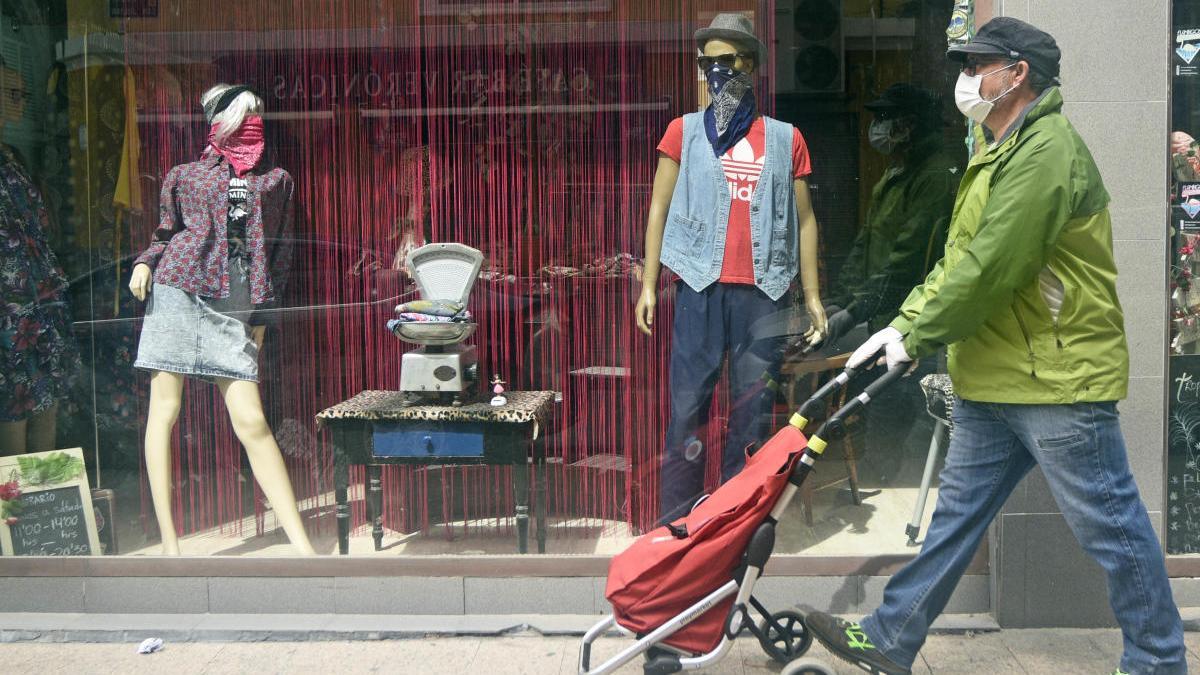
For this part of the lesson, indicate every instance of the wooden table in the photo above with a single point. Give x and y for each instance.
(375, 428)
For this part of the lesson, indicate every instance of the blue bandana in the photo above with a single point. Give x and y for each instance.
(728, 117)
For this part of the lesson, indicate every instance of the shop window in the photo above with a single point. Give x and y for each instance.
(530, 132)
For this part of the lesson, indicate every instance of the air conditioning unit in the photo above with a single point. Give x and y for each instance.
(17, 55)
(810, 55)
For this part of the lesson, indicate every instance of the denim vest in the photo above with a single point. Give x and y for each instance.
(694, 238)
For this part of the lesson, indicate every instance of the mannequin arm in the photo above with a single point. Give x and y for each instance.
(170, 222)
(660, 202)
(809, 272)
(278, 249)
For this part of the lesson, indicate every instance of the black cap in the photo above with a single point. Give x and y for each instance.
(903, 98)
(1009, 38)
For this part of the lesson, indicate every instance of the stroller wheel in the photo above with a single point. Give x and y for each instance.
(808, 667)
(785, 637)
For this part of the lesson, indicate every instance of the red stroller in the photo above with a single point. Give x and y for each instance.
(684, 590)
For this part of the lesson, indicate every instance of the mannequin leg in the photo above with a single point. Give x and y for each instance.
(697, 353)
(250, 425)
(755, 352)
(43, 427)
(12, 438)
(166, 394)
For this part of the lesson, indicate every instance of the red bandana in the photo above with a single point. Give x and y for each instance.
(244, 148)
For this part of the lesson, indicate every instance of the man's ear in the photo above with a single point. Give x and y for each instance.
(1021, 74)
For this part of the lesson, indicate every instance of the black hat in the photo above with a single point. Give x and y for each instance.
(736, 28)
(1010, 38)
(903, 98)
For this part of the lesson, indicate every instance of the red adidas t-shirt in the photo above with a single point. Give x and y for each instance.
(743, 165)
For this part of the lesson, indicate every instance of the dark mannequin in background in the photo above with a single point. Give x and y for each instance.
(38, 357)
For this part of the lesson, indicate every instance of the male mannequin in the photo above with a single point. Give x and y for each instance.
(211, 264)
(730, 207)
(38, 357)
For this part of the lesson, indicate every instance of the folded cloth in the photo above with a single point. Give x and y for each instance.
(446, 308)
(417, 317)
(394, 325)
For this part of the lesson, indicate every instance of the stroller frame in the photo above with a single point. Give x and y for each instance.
(786, 627)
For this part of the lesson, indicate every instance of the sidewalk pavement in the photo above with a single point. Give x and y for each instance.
(1025, 652)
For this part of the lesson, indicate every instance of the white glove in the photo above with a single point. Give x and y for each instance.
(891, 341)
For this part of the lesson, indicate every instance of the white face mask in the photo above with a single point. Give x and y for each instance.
(883, 137)
(968, 98)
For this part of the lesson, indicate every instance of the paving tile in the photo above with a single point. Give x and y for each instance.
(1064, 650)
(607, 647)
(436, 657)
(1192, 640)
(979, 653)
(175, 658)
(238, 658)
(387, 656)
(519, 656)
(116, 658)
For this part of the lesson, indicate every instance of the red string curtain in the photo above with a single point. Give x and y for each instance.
(525, 129)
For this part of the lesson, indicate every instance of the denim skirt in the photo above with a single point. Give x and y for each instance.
(203, 337)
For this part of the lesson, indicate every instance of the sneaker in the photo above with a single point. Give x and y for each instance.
(847, 641)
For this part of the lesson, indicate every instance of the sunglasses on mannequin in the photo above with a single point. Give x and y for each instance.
(727, 60)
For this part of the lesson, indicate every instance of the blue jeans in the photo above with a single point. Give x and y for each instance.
(1082, 455)
(743, 322)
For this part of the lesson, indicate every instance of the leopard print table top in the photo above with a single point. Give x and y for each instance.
(522, 407)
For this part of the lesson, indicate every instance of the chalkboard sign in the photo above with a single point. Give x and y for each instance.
(53, 522)
(47, 505)
(1183, 455)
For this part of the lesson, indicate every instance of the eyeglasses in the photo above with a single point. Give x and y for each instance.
(971, 66)
(727, 60)
(14, 95)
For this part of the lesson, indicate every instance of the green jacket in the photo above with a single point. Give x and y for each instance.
(1031, 209)
(902, 236)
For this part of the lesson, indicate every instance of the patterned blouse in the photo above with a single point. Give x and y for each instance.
(38, 355)
(190, 248)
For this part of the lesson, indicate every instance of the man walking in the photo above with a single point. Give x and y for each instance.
(1025, 301)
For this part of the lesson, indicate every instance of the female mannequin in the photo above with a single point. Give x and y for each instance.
(38, 358)
(209, 273)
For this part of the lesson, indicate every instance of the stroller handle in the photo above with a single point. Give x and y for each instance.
(812, 407)
(835, 422)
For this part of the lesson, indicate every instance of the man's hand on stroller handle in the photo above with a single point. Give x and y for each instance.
(886, 346)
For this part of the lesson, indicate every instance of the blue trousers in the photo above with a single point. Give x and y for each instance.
(1082, 454)
(737, 320)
